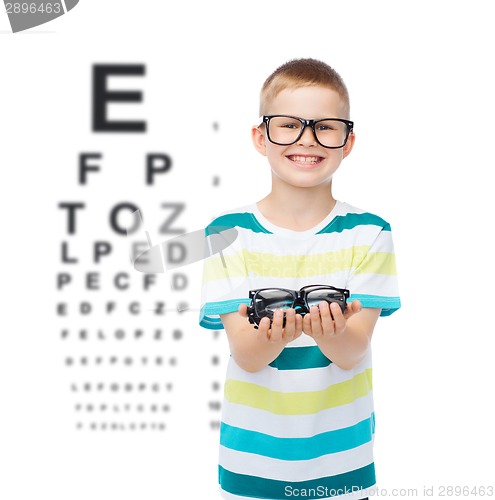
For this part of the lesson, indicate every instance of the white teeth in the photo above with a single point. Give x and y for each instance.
(305, 159)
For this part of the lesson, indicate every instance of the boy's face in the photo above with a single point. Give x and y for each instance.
(304, 163)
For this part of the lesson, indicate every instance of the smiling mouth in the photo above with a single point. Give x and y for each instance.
(305, 159)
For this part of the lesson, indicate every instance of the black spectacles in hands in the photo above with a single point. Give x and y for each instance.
(265, 301)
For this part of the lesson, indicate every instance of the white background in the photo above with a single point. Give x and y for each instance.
(421, 84)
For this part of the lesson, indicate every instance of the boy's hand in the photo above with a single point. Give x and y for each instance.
(277, 333)
(319, 323)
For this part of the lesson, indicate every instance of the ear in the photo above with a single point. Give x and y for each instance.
(349, 144)
(259, 140)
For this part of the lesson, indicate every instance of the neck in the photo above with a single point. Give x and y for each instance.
(297, 207)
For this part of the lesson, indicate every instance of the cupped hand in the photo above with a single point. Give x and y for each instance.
(277, 332)
(327, 320)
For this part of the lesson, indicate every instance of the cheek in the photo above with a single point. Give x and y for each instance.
(275, 152)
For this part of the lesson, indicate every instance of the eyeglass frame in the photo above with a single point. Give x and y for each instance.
(307, 123)
(299, 298)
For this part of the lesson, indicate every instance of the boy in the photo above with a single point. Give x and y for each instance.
(297, 416)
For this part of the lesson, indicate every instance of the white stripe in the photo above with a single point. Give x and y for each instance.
(239, 286)
(382, 285)
(338, 279)
(226, 289)
(347, 208)
(296, 470)
(325, 243)
(292, 426)
(384, 242)
(309, 379)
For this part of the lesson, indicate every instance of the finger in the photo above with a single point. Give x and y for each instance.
(299, 325)
(357, 306)
(353, 308)
(306, 324)
(263, 330)
(276, 330)
(338, 317)
(290, 324)
(314, 313)
(242, 310)
(326, 318)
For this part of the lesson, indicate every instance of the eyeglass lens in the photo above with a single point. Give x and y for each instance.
(284, 130)
(314, 297)
(272, 299)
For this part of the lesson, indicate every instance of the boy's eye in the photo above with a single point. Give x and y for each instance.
(291, 125)
(332, 126)
(325, 127)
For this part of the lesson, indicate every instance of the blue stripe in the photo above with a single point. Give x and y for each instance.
(300, 358)
(211, 324)
(338, 224)
(388, 305)
(224, 306)
(246, 220)
(351, 220)
(208, 313)
(305, 448)
(324, 487)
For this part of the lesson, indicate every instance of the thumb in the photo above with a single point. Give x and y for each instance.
(243, 310)
(353, 308)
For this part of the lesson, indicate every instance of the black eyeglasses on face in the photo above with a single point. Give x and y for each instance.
(265, 301)
(285, 130)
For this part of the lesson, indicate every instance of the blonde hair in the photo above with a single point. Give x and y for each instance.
(299, 73)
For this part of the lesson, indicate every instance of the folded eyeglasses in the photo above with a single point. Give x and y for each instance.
(265, 301)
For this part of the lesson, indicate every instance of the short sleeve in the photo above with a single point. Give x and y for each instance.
(373, 276)
(225, 283)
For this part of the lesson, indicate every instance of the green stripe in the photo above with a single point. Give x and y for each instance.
(299, 266)
(358, 258)
(350, 221)
(246, 220)
(298, 403)
(300, 358)
(377, 263)
(297, 448)
(325, 487)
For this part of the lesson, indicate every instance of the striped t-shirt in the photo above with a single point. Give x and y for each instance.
(300, 426)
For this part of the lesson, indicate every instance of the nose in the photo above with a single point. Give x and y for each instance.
(307, 137)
